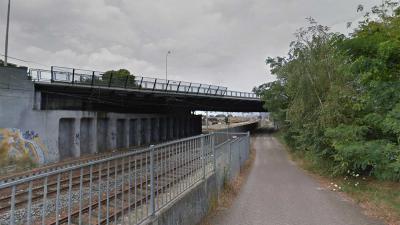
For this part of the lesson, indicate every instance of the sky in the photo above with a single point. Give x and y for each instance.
(220, 42)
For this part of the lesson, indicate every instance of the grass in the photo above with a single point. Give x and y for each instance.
(9, 166)
(380, 199)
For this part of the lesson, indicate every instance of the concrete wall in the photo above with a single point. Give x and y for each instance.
(230, 157)
(59, 134)
(192, 205)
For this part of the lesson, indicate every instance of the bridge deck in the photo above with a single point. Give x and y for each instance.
(73, 89)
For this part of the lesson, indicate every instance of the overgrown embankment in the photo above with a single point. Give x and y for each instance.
(337, 102)
(379, 199)
(337, 98)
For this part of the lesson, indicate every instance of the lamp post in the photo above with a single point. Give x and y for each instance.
(166, 64)
(7, 28)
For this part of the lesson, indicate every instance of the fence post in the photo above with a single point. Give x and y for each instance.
(92, 81)
(241, 151)
(230, 153)
(52, 74)
(73, 76)
(152, 199)
(213, 151)
(126, 80)
(109, 82)
(12, 210)
(203, 155)
(248, 144)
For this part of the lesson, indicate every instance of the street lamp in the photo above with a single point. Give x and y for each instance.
(166, 64)
(7, 28)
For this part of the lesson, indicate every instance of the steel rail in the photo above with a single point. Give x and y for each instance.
(112, 197)
(157, 172)
(63, 186)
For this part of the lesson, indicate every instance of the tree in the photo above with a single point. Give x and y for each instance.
(276, 101)
(118, 78)
(374, 50)
(337, 97)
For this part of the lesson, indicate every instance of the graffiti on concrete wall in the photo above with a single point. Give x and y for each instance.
(17, 144)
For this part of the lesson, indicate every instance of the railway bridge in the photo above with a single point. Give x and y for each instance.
(68, 113)
(165, 169)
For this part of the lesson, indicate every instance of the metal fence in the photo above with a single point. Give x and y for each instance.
(101, 79)
(125, 189)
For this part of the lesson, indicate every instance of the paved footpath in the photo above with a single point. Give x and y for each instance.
(277, 192)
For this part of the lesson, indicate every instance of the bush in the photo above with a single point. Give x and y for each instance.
(337, 98)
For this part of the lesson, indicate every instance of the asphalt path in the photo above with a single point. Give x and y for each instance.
(277, 192)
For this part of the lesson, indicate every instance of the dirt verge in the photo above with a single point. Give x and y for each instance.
(231, 190)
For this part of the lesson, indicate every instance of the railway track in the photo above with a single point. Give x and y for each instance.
(67, 163)
(51, 184)
(140, 197)
(109, 190)
(38, 187)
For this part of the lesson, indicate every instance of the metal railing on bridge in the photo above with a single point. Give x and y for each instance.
(122, 189)
(100, 79)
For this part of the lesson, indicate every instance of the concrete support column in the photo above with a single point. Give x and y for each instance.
(87, 136)
(178, 127)
(37, 101)
(182, 127)
(155, 126)
(188, 126)
(126, 134)
(76, 151)
(68, 138)
(197, 129)
(196, 124)
(121, 133)
(112, 134)
(193, 125)
(188, 133)
(101, 134)
(94, 148)
(147, 125)
(164, 128)
(131, 132)
(170, 128)
(174, 127)
(138, 132)
(160, 128)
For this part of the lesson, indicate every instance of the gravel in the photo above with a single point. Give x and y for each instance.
(20, 215)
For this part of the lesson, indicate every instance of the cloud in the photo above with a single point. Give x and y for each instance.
(222, 42)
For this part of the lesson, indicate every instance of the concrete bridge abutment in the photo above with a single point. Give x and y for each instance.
(59, 134)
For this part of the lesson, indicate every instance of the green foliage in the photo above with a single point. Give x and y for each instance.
(118, 78)
(275, 99)
(337, 98)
